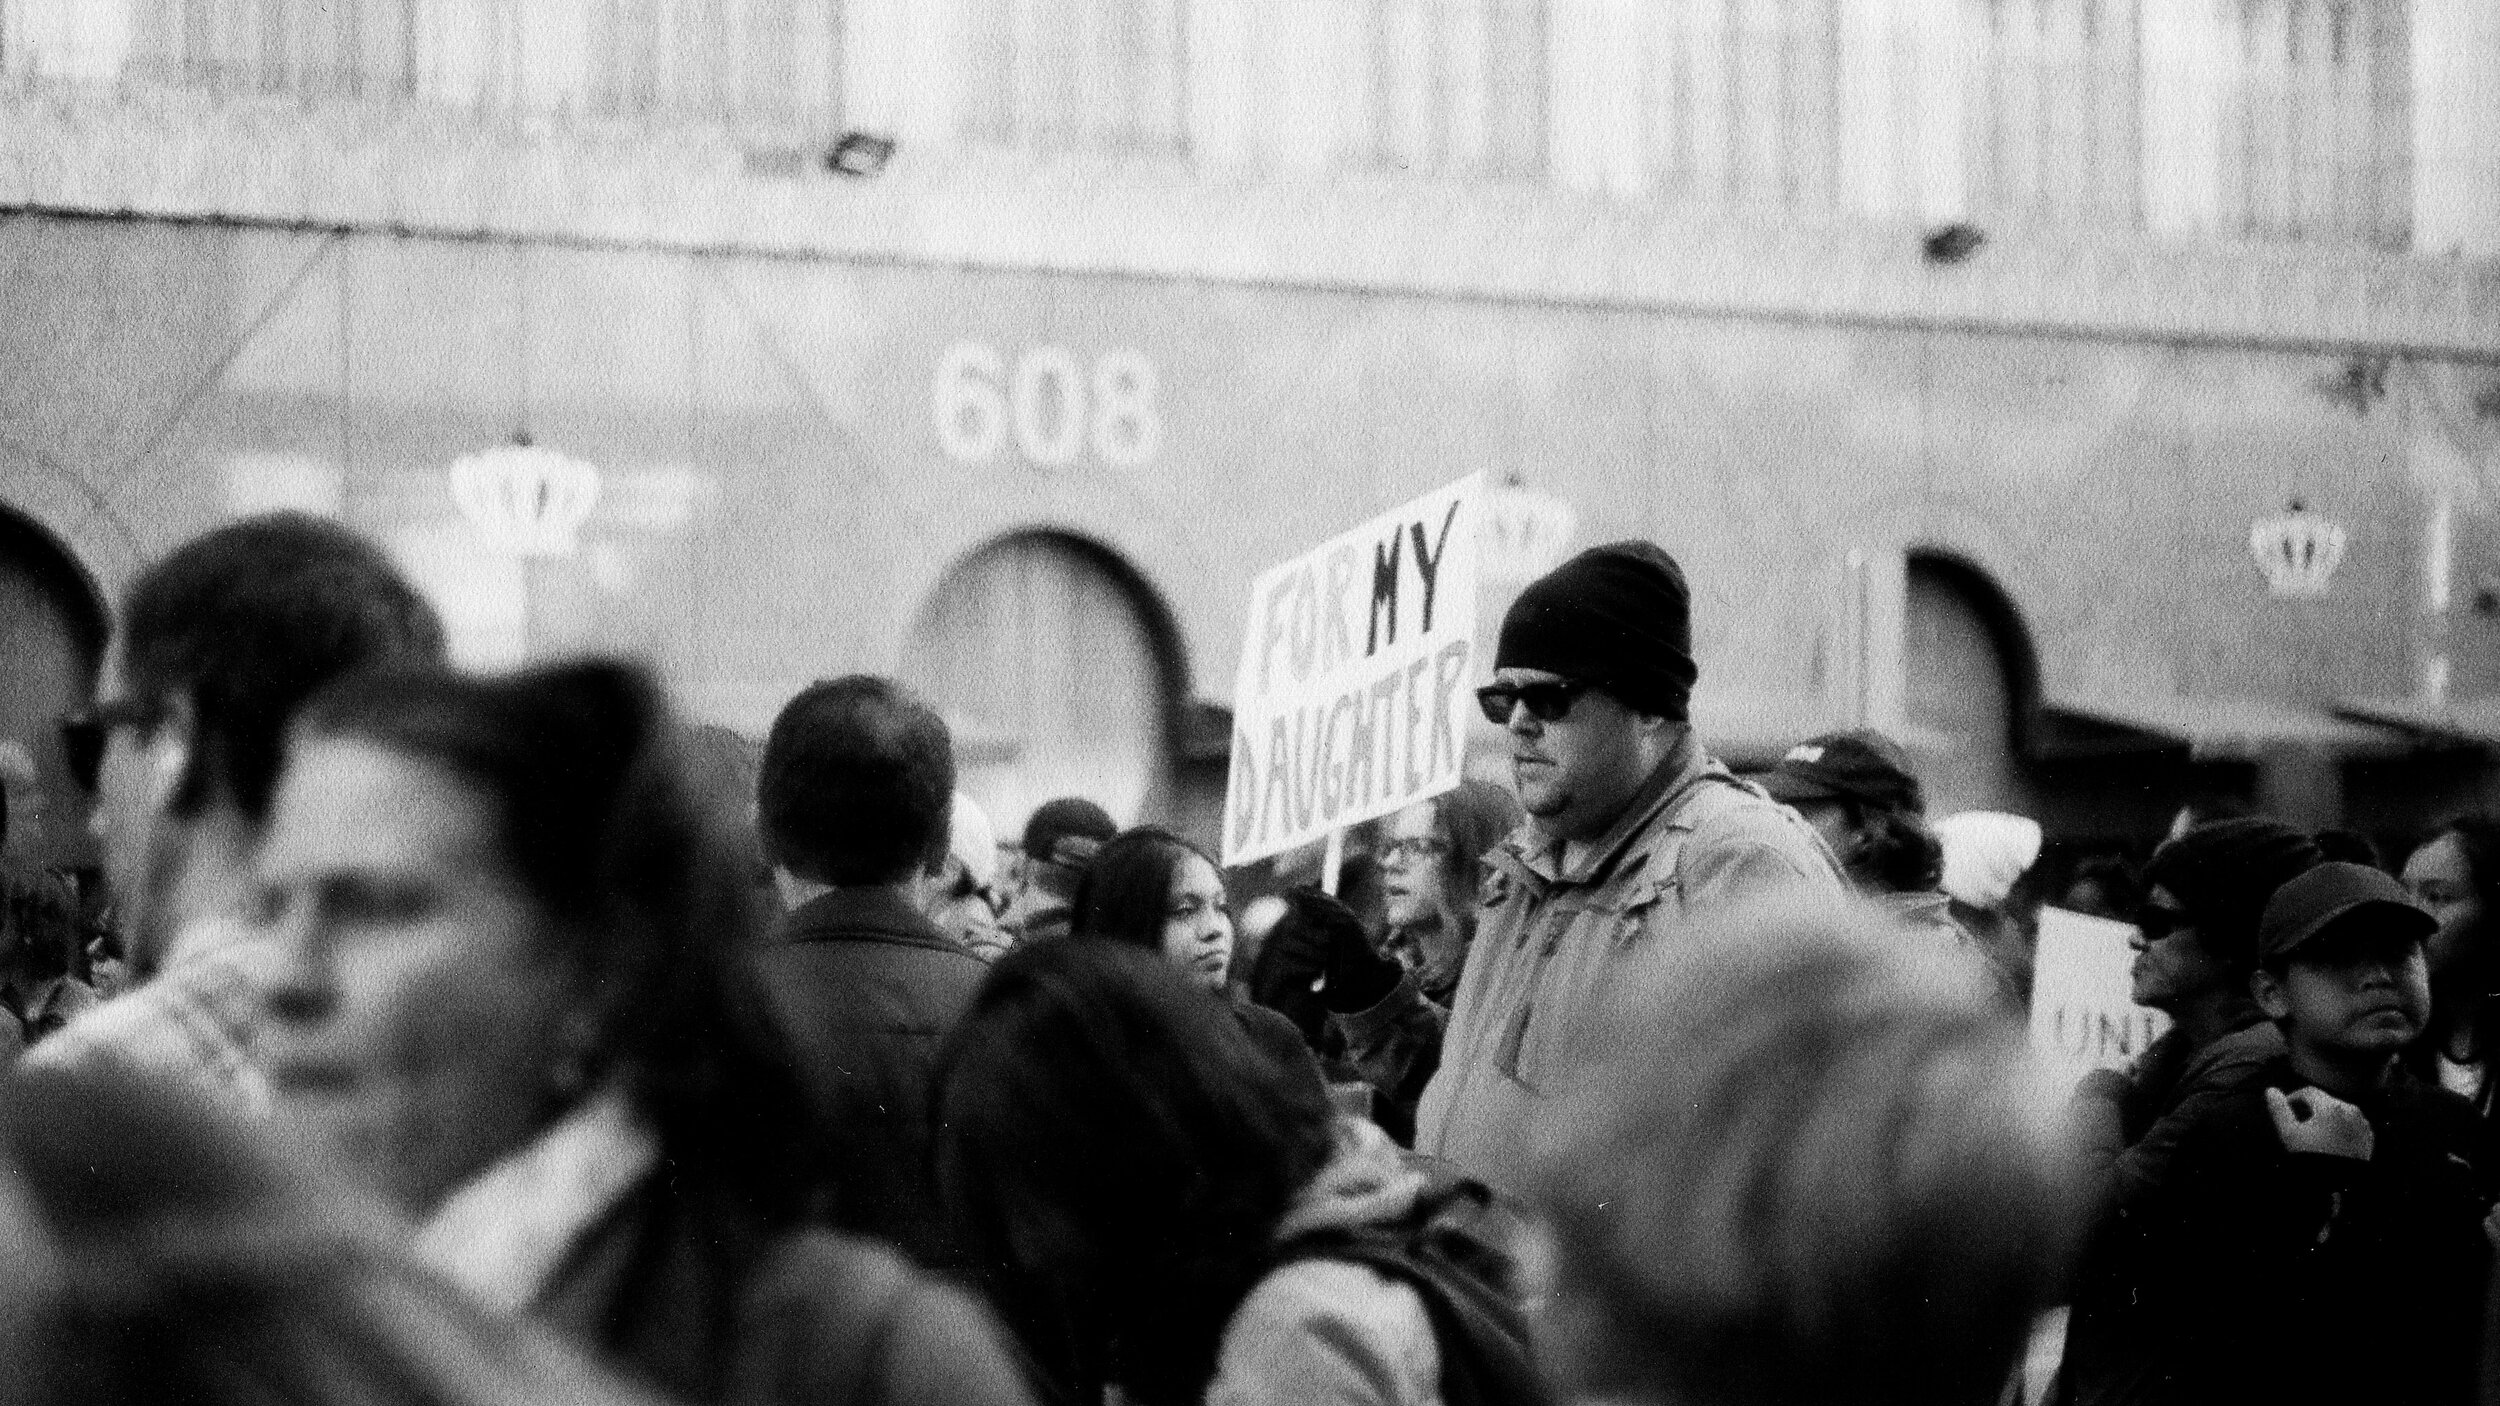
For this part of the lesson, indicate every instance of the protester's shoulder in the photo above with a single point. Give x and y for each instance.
(851, 1319)
(2232, 1124)
(1730, 822)
(1331, 1331)
(2244, 1056)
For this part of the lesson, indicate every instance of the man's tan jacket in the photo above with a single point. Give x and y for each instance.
(1550, 939)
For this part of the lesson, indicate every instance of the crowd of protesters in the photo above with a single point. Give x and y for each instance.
(449, 1038)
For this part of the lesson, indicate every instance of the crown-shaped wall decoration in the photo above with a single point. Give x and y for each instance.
(526, 500)
(2297, 551)
(1524, 532)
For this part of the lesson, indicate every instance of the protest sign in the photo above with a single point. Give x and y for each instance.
(2083, 1016)
(1355, 677)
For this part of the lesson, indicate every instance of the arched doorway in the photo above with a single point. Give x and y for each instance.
(1051, 662)
(1968, 672)
(51, 640)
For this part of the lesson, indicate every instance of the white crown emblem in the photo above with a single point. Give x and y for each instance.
(526, 500)
(2298, 552)
(1523, 532)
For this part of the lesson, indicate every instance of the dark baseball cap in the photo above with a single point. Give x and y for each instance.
(1067, 831)
(2308, 905)
(1859, 765)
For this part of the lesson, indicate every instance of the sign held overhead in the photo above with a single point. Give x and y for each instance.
(1352, 697)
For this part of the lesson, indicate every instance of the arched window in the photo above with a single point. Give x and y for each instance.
(1053, 664)
(1969, 678)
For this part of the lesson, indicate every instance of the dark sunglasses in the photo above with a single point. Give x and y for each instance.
(1545, 702)
(83, 735)
(2156, 922)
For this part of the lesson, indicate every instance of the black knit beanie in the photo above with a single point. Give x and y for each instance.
(1618, 616)
(2223, 873)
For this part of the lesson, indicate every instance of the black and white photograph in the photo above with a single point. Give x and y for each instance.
(1249, 702)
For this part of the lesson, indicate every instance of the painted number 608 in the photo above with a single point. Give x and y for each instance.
(1048, 402)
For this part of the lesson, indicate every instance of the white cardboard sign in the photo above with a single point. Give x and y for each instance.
(1355, 677)
(2083, 1015)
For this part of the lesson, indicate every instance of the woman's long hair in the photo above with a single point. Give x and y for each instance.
(2477, 968)
(1476, 817)
(1127, 889)
(580, 765)
(1116, 1162)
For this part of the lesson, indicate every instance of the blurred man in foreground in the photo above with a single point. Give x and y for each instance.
(219, 645)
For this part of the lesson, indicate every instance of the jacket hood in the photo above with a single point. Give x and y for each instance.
(1367, 1182)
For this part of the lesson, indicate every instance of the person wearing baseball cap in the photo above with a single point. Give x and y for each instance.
(1632, 831)
(1857, 790)
(2320, 1237)
(1059, 841)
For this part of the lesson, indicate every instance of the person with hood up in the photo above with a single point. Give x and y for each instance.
(2196, 948)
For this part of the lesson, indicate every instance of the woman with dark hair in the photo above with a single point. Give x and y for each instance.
(1150, 889)
(2456, 874)
(510, 997)
(1130, 1176)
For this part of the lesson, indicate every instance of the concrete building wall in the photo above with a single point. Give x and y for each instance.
(1571, 242)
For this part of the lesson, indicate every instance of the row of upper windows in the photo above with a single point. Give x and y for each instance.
(2262, 118)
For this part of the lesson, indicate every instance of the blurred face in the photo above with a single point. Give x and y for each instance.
(1575, 774)
(2442, 880)
(2359, 989)
(1415, 867)
(135, 781)
(1198, 925)
(421, 1013)
(2171, 963)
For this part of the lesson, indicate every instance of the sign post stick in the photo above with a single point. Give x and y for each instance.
(1331, 860)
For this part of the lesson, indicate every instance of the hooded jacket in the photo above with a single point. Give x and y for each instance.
(1325, 1332)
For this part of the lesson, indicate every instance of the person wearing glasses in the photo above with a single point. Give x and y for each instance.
(1376, 1013)
(1633, 832)
(2196, 946)
(218, 647)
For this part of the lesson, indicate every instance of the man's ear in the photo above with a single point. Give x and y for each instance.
(2270, 994)
(169, 750)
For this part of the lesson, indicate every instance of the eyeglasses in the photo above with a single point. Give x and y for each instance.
(84, 734)
(1415, 849)
(1545, 702)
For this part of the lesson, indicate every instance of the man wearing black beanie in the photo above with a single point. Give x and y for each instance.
(2196, 944)
(1632, 831)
